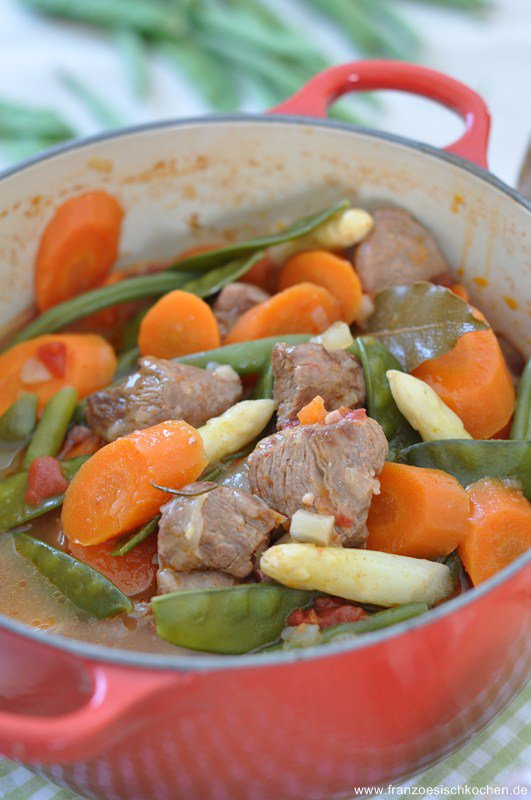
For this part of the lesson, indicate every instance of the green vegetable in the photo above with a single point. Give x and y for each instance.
(216, 278)
(232, 620)
(376, 360)
(126, 363)
(13, 508)
(421, 321)
(470, 460)
(51, 430)
(263, 389)
(213, 258)
(85, 587)
(29, 122)
(102, 111)
(130, 541)
(521, 427)
(206, 71)
(134, 56)
(247, 358)
(374, 622)
(17, 423)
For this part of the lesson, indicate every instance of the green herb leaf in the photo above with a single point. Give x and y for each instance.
(421, 321)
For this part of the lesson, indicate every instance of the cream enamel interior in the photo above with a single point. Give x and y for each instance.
(194, 182)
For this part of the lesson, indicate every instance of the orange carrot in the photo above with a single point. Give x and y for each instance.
(178, 324)
(473, 380)
(263, 274)
(47, 363)
(305, 308)
(330, 271)
(113, 491)
(313, 412)
(419, 512)
(78, 247)
(133, 573)
(499, 529)
(461, 291)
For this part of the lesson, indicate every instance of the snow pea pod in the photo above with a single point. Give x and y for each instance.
(230, 621)
(375, 622)
(51, 430)
(521, 427)
(469, 460)
(18, 422)
(13, 508)
(376, 360)
(88, 589)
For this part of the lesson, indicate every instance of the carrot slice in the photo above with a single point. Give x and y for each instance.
(78, 247)
(113, 491)
(313, 412)
(263, 274)
(330, 271)
(89, 365)
(305, 308)
(499, 529)
(132, 573)
(419, 512)
(473, 380)
(178, 324)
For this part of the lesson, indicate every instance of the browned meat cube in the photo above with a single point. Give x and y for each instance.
(233, 301)
(223, 530)
(303, 371)
(398, 251)
(330, 469)
(159, 391)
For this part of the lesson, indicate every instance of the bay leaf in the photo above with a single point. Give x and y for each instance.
(421, 321)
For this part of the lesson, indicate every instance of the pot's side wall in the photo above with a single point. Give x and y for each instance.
(205, 182)
(317, 729)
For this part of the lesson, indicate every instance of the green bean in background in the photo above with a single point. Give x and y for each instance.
(18, 422)
(102, 111)
(88, 589)
(206, 71)
(13, 508)
(51, 430)
(135, 59)
(521, 427)
(20, 121)
(374, 622)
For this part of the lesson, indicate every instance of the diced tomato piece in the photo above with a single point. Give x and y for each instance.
(45, 479)
(327, 611)
(53, 356)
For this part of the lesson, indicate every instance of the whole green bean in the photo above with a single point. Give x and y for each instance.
(206, 71)
(32, 122)
(374, 622)
(13, 508)
(230, 620)
(103, 112)
(88, 589)
(51, 430)
(247, 358)
(17, 423)
(521, 427)
(130, 541)
(134, 56)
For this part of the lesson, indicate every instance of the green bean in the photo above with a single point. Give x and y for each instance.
(232, 620)
(18, 422)
(13, 508)
(376, 360)
(470, 460)
(21, 148)
(521, 427)
(247, 358)
(136, 288)
(88, 589)
(126, 363)
(211, 282)
(129, 542)
(374, 622)
(263, 389)
(101, 111)
(133, 53)
(51, 430)
(36, 123)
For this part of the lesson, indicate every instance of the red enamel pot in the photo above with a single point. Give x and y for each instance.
(315, 724)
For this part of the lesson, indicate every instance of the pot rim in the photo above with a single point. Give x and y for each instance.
(206, 662)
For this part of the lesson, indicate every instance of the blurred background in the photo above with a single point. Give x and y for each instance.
(74, 67)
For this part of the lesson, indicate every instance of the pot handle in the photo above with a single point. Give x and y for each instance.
(86, 730)
(315, 98)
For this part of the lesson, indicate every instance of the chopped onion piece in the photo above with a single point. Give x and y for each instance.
(34, 371)
(311, 528)
(336, 337)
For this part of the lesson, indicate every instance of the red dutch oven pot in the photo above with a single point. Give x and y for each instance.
(313, 724)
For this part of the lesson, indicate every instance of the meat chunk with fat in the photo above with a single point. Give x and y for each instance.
(329, 469)
(217, 536)
(303, 371)
(398, 251)
(233, 301)
(159, 391)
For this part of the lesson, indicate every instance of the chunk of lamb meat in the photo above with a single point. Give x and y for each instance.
(214, 538)
(233, 301)
(303, 371)
(398, 251)
(159, 391)
(330, 469)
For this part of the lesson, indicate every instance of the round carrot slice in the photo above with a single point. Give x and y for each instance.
(178, 324)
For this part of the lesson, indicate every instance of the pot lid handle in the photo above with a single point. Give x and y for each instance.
(315, 98)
